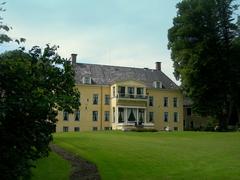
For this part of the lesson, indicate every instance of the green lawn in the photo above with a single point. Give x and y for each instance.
(161, 155)
(51, 168)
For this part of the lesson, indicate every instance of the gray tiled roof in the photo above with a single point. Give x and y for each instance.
(107, 75)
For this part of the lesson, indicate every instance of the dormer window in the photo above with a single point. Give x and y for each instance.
(87, 80)
(157, 84)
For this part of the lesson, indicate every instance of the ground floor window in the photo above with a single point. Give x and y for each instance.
(175, 116)
(94, 115)
(107, 128)
(106, 115)
(76, 129)
(131, 115)
(94, 128)
(120, 115)
(165, 117)
(175, 128)
(113, 119)
(65, 129)
(151, 115)
(141, 116)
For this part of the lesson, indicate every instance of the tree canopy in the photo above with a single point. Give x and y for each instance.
(33, 88)
(204, 44)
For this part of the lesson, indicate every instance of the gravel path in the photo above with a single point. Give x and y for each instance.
(81, 169)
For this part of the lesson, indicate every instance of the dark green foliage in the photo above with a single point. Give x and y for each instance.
(33, 87)
(205, 51)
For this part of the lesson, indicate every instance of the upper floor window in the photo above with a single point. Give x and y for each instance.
(94, 115)
(150, 100)
(140, 91)
(175, 102)
(107, 99)
(114, 91)
(121, 91)
(77, 115)
(87, 80)
(95, 99)
(165, 118)
(65, 115)
(165, 101)
(130, 90)
(157, 84)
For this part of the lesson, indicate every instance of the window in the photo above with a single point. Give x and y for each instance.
(132, 115)
(77, 115)
(141, 116)
(65, 129)
(94, 128)
(175, 102)
(150, 100)
(131, 92)
(189, 112)
(76, 129)
(165, 118)
(106, 115)
(114, 92)
(121, 91)
(165, 101)
(175, 116)
(175, 128)
(95, 99)
(157, 84)
(65, 115)
(107, 128)
(107, 99)
(113, 120)
(95, 115)
(87, 80)
(120, 115)
(151, 115)
(140, 91)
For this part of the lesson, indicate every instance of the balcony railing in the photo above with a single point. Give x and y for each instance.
(131, 96)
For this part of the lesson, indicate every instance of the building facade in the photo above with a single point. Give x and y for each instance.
(123, 98)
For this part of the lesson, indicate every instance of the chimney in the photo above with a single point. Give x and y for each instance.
(74, 58)
(158, 66)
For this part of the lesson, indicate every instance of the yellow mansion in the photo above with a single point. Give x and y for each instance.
(123, 98)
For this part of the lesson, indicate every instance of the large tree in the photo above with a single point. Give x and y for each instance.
(204, 43)
(33, 87)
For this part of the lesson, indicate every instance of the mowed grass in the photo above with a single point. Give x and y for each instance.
(160, 155)
(53, 167)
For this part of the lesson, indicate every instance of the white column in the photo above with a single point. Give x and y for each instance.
(137, 115)
(125, 115)
(145, 116)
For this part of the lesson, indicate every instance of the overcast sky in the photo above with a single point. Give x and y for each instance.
(114, 32)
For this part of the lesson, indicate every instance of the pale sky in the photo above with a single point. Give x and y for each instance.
(114, 32)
